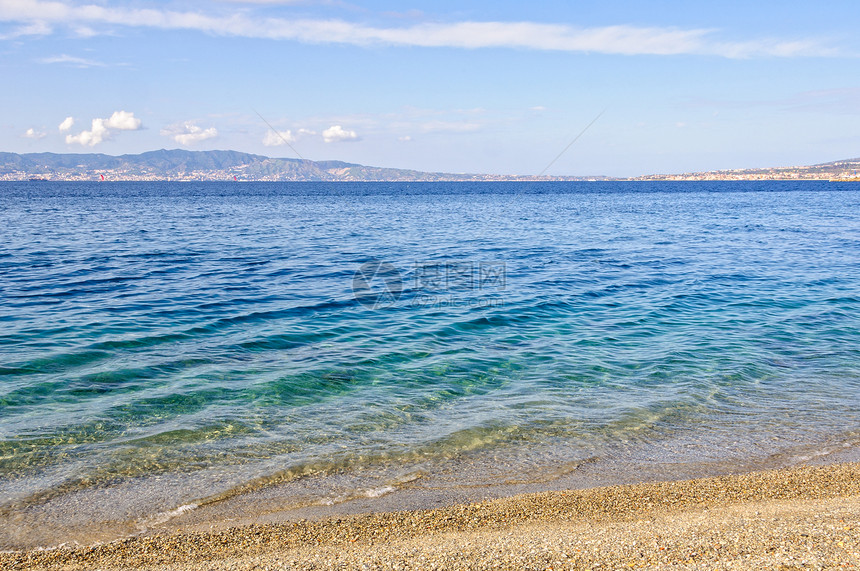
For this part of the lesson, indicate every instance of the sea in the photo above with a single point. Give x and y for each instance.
(197, 354)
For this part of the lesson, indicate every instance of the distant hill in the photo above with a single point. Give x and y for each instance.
(210, 165)
(846, 169)
(226, 165)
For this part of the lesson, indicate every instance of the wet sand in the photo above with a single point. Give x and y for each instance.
(799, 518)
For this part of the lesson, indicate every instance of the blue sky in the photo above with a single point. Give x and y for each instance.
(493, 87)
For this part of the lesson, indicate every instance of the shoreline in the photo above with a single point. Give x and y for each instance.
(761, 518)
(162, 505)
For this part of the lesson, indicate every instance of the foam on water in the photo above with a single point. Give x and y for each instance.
(164, 517)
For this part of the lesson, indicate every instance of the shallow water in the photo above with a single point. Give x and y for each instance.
(293, 345)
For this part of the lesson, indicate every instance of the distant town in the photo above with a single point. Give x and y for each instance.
(837, 170)
(180, 165)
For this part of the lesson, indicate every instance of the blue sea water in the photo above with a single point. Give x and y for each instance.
(167, 348)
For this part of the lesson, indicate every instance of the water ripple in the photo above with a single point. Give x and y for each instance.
(213, 330)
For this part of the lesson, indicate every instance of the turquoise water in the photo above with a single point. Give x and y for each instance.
(185, 344)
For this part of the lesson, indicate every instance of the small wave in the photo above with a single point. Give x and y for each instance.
(379, 492)
(164, 517)
(376, 492)
(823, 452)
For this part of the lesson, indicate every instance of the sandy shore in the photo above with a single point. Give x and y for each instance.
(803, 518)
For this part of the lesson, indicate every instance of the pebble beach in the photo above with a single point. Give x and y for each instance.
(799, 518)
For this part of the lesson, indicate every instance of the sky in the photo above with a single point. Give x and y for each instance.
(464, 87)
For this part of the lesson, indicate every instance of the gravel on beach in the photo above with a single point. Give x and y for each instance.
(801, 518)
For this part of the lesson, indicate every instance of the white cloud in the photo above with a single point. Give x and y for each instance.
(404, 139)
(336, 133)
(273, 139)
(90, 138)
(67, 124)
(188, 133)
(101, 128)
(31, 133)
(621, 39)
(123, 121)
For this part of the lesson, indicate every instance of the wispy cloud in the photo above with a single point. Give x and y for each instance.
(841, 100)
(449, 126)
(406, 122)
(188, 133)
(85, 32)
(37, 28)
(264, 1)
(72, 60)
(101, 128)
(620, 39)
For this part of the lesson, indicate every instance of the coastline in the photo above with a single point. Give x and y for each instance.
(796, 517)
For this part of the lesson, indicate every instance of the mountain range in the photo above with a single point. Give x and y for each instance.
(233, 165)
(208, 165)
